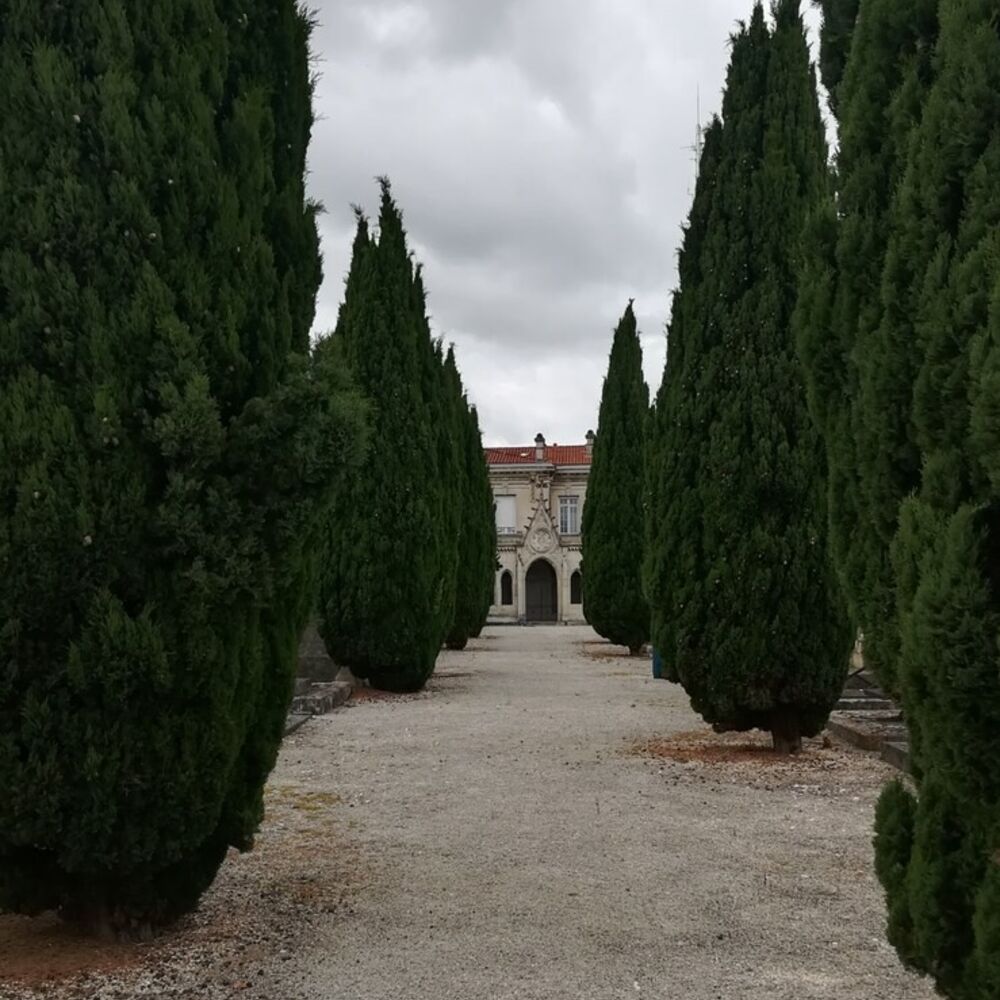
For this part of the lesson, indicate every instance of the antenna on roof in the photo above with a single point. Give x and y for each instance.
(699, 138)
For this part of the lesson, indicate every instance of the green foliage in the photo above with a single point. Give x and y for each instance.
(167, 445)
(746, 610)
(613, 512)
(672, 504)
(478, 538)
(836, 34)
(855, 347)
(388, 589)
(941, 291)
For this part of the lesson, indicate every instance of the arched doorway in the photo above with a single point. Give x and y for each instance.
(542, 592)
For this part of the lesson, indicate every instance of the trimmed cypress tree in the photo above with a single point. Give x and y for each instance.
(613, 512)
(482, 511)
(937, 851)
(751, 623)
(478, 538)
(857, 395)
(672, 507)
(388, 582)
(166, 445)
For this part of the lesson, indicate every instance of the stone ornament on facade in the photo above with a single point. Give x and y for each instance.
(542, 541)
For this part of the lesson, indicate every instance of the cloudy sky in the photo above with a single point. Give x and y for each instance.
(541, 153)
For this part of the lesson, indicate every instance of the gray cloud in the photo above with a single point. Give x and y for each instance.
(540, 150)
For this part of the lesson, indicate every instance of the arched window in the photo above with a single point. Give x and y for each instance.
(576, 588)
(506, 588)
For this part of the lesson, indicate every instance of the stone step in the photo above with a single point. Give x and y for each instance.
(321, 698)
(293, 722)
(863, 702)
(867, 730)
(897, 753)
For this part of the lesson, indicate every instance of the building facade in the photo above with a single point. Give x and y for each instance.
(539, 491)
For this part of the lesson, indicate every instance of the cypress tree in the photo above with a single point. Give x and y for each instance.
(613, 511)
(836, 32)
(752, 624)
(482, 511)
(166, 445)
(672, 510)
(388, 581)
(937, 850)
(843, 325)
(477, 539)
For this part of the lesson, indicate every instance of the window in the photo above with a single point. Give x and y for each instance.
(569, 515)
(506, 515)
(576, 588)
(506, 588)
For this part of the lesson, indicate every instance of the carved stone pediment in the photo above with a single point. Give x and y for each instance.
(541, 537)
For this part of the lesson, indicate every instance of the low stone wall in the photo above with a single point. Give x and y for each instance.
(314, 661)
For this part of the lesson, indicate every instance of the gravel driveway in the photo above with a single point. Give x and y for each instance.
(545, 821)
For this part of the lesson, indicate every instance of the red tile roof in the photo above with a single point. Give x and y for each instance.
(555, 454)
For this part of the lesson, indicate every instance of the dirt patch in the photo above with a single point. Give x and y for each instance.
(45, 950)
(824, 765)
(606, 651)
(262, 907)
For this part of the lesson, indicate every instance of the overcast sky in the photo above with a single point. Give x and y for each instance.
(541, 153)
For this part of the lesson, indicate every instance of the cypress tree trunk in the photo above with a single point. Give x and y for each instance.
(612, 526)
(166, 445)
(749, 617)
(937, 851)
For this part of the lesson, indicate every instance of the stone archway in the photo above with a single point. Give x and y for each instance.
(541, 588)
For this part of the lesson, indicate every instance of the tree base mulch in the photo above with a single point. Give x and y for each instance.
(824, 765)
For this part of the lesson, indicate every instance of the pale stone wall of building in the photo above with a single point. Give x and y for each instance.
(536, 534)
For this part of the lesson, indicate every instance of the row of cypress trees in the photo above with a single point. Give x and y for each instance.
(173, 454)
(901, 337)
(411, 548)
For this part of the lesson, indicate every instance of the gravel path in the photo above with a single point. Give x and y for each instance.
(544, 821)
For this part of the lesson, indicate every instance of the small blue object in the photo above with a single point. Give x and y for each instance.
(657, 665)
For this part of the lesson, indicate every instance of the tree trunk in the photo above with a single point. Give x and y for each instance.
(109, 923)
(785, 731)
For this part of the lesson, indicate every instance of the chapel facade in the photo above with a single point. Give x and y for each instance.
(539, 492)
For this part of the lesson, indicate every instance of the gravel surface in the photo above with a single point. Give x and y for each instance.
(544, 821)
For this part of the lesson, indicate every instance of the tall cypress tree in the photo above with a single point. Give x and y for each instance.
(938, 850)
(388, 581)
(753, 626)
(859, 399)
(477, 535)
(613, 512)
(166, 445)
(481, 511)
(672, 511)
